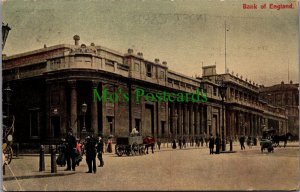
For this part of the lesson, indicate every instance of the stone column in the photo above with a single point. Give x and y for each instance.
(94, 110)
(196, 118)
(191, 121)
(179, 122)
(73, 107)
(172, 119)
(185, 120)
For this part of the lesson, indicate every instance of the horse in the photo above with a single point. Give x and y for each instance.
(149, 142)
(284, 138)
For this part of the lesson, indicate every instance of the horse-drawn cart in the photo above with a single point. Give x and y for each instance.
(266, 141)
(131, 145)
(266, 144)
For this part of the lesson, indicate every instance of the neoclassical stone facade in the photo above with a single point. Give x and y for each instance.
(286, 96)
(51, 84)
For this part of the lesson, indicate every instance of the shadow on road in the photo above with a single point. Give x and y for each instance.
(10, 178)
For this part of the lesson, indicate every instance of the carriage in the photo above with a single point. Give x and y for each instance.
(131, 145)
(266, 141)
(8, 139)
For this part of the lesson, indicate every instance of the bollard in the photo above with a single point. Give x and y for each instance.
(42, 158)
(18, 148)
(53, 159)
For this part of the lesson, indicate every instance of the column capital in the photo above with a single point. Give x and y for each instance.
(72, 83)
(95, 83)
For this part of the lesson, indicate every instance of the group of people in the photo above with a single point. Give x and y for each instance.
(71, 152)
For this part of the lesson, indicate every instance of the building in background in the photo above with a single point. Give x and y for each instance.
(52, 85)
(287, 96)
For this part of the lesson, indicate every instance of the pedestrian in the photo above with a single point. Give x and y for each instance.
(180, 143)
(174, 144)
(242, 142)
(77, 154)
(100, 151)
(192, 142)
(90, 148)
(202, 141)
(109, 146)
(211, 144)
(184, 143)
(218, 144)
(158, 143)
(70, 151)
(197, 142)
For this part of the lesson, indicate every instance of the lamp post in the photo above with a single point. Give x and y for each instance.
(5, 31)
(8, 91)
(223, 89)
(83, 109)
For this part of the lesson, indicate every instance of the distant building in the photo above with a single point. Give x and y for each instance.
(287, 96)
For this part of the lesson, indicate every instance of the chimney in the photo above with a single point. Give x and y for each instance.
(291, 82)
(76, 39)
(130, 51)
(156, 60)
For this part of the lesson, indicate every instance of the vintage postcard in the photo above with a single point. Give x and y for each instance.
(150, 95)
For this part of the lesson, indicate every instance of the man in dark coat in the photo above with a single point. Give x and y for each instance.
(218, 144)
(100, 151)
(211, 144)
(242, 142)
(90, 148)
(70, 151)
(174, 144)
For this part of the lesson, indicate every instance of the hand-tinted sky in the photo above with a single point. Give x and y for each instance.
(185, 33)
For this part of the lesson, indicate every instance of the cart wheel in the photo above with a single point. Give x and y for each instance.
(119, 150)
(8, 153)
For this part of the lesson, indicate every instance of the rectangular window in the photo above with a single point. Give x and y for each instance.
(110, 122)
(34, 123)
(138, 125)
(148, 70)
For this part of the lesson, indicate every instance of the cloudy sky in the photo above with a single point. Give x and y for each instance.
(261, 44)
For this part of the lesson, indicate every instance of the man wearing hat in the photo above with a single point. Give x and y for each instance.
(70, 151)
(90, 148)
(100, 151)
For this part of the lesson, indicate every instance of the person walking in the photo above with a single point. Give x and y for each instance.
(211, 144)
(174, 144)
(242, 142)
(180, 143)
(184, 142)
(90, 148)
(70, 151)
(158, 143)
(109, 145)
(100, 151)
(218, 144)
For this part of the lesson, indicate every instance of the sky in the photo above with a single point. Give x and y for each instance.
(261, 44)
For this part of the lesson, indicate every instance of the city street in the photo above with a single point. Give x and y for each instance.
(186, 169)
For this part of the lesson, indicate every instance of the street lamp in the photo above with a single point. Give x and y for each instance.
(84, 109)
(223, 89)
(8, 91)
(5, 31)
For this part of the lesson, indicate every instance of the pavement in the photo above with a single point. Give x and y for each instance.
(167, 169)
